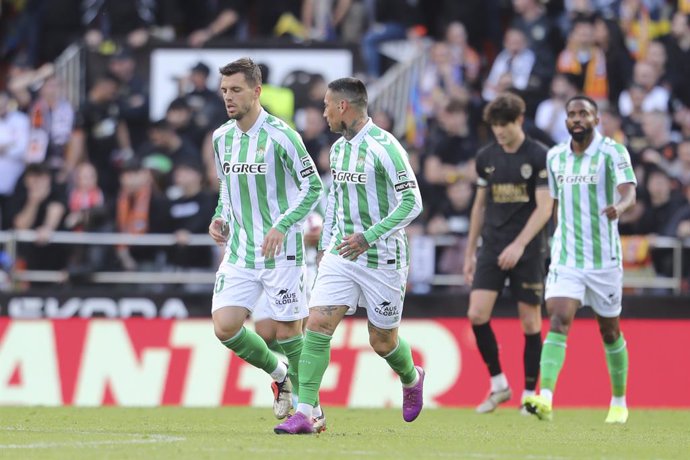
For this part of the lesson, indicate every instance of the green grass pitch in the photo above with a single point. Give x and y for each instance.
(247, 433)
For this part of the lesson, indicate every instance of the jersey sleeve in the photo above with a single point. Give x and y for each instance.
(396, 168)
(223, 206)
(551, 174)
(299, 165)
(622, 165)
(482, 175)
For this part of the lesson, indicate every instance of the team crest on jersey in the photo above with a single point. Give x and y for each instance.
(260, 154)
(360, 162)
(526, 171)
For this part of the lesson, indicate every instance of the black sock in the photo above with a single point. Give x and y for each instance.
(488, 347)
(531, 358)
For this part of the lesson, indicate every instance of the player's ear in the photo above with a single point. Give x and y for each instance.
(257, 91)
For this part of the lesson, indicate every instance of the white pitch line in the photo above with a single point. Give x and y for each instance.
(147, 439)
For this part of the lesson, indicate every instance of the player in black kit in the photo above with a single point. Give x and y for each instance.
(511, 207)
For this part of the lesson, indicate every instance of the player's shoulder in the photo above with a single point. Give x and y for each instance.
(535, 147)
(557, 150)
(281, 131)
(381, 141)
(224, 129)
(611, 147)
(489, 150)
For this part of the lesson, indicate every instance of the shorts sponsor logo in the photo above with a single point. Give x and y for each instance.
(385, 309)
(244, 168)
(284, 296)
(349, 177)
(575, 179)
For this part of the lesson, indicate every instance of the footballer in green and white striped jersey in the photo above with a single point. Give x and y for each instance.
(584, 186)
(374, 192)
(267, 179)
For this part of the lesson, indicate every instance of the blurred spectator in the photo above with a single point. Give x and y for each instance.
(632, 123)
(164, 149)
(52, 120)
(513, 67)
(678, 47)
(101, 135)
(645, 77)
(133, 97)
(453, 218)
(85, 201)
(463, 55)
(609, 37)
(680, 168)
(279, 18)
(87, 212)
(321, 18)
(356, 20)
(452, 157)
(440, 79)
(179, 117)
(40, 206)
(641, 22)
(190, 213)
(662, 202)
(543, 37)
(277, 100)
(201, 22)
(14, 139)
(118, 20)
(551, 114)
(207, 106)
(660, 149)
(23, 81)
(394, 21)
(315, 135)
(140, 210)
(611, 125)
(585, 60)
(681, 116)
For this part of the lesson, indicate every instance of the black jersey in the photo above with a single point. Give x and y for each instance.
(510, 180)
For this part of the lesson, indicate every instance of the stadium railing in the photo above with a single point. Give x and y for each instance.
(14, 275)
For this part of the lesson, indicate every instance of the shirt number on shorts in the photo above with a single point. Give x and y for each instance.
(220, 282)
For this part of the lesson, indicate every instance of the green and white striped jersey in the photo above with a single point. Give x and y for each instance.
(267, 179)
(374, 192)
(584, 185)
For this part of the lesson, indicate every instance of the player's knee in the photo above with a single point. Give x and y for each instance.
(382, 346)
(225, 331)
(609, 335)
(477, 316)
(560, 323)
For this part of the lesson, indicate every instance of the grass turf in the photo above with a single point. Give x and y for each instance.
(247, 433)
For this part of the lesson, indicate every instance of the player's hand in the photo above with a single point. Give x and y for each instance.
(468, 268)
(272, 243)
(319, 256)
(510, 256)
(611, 212)
(219, 231)
(352, 246)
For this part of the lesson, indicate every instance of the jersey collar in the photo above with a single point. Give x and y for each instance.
(254, 130)
(362, 132)
(593, 146)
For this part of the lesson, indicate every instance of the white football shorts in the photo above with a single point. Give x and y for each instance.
(600, 289)
(282, 289)
(342, 282)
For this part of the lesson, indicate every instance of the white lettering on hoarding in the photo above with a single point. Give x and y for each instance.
(27, 350)
(110, 361)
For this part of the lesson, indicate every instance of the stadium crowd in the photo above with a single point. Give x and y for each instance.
(106, 166)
